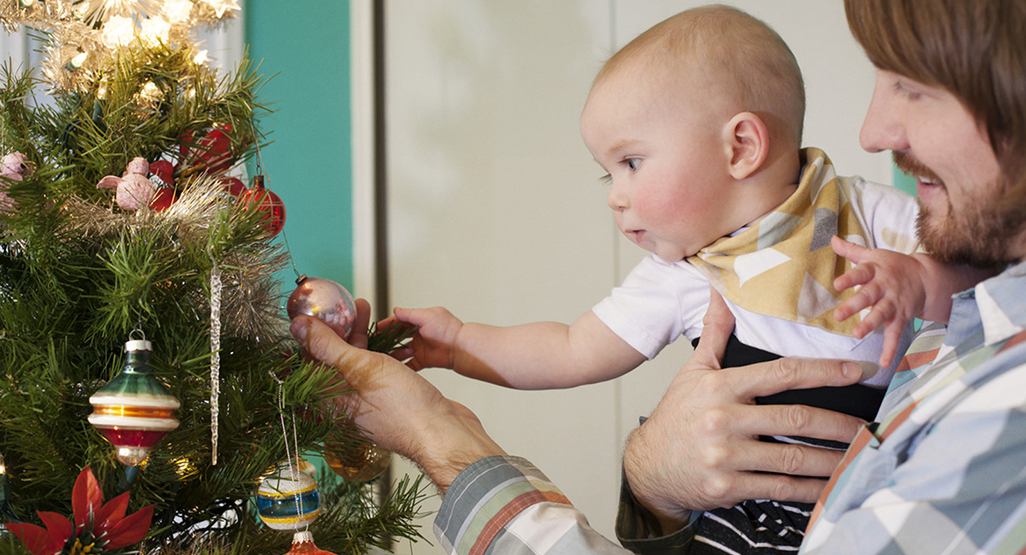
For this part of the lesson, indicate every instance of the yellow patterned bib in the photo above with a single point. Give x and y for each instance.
(782, 266)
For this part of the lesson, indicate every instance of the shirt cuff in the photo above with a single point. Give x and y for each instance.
(637, 529)
(485, 497)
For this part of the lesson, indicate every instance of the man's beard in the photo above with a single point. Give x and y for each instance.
(980, 233)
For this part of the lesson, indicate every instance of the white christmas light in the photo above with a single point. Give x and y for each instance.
(177, 11)
(155, 30)
(118, 31)
(221, 6)
(200, 58)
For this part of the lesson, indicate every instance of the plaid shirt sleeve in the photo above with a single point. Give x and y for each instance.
(506, 505)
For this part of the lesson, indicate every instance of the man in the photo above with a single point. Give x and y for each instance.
(944, 471)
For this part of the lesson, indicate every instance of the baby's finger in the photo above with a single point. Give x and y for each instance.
(402, 353)
(848, 250)
(849, 308)
(877, 317)
(858, 275)
(892, 336)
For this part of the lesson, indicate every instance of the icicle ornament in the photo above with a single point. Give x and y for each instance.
(215, 357)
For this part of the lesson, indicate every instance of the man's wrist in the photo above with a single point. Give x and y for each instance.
(668, 519)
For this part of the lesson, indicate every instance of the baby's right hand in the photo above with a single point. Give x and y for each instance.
(434, 344)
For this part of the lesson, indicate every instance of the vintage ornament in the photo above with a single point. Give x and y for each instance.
(303, 544)
(163, 199)
(134, 188)
(325, 300)
(14, 167)
(134, 410)
(288, 498)
(363, 465)
(264, 200)
(233, 187)
(210, 154)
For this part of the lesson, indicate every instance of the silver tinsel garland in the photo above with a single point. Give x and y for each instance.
(86, 35)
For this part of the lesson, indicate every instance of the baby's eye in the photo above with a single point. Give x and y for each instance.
(606, 179)
(632, 163)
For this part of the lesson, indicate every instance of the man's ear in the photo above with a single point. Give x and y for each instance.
(748, 141)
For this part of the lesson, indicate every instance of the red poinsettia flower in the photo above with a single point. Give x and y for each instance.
(98, 527)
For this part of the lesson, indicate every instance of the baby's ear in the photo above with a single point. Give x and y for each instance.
(748, 140)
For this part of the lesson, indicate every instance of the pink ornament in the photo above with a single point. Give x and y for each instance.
(325, 300)
(13, 168)
(134, 189)
(17, 163)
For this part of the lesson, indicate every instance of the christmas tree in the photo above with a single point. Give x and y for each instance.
(123, 223)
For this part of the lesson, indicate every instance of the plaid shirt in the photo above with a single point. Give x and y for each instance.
(944, 472)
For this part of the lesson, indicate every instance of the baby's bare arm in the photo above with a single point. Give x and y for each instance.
(540, 355)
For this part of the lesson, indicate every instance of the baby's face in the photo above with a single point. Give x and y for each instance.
(662, 143)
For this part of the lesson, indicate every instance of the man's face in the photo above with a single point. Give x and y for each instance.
(935, 138)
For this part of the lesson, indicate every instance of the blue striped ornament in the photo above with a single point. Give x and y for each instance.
(288, 499)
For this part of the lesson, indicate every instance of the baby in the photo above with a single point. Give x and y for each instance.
(698, 123)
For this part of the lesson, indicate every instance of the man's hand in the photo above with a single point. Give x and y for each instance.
(700, 450)
(400, 409)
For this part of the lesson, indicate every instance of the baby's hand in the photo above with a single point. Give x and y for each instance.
(890, 283)
(434, 344)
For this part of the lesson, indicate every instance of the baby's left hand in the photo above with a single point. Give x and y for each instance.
(890, 283)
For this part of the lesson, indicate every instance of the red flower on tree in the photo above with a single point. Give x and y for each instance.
(98, 527)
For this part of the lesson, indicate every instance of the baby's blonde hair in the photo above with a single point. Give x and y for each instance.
(754, 62)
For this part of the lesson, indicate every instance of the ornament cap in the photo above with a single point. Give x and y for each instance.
(138, 345)
(304, 536)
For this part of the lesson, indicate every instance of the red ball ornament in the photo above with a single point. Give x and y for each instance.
(260, 198)
(325, 300)
(163, 199)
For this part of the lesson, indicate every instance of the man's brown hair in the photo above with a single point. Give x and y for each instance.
(975, 49)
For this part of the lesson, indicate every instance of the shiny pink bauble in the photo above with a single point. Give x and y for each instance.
(325, 300)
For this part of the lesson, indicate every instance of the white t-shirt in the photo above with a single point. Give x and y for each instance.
(660, 301)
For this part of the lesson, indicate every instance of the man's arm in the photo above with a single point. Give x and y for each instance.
(492, 503)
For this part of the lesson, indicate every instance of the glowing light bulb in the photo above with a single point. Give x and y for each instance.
(200, 58)
(118, 31)
(177, 11)
(155, 30)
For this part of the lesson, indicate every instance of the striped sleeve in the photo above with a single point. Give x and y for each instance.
(506, 505)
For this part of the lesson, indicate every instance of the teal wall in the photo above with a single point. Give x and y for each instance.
(904, 181)
(303, 47)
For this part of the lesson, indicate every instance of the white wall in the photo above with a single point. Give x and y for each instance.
(495, 207)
